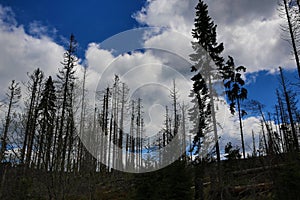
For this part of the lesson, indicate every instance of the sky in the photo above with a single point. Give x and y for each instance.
(35, 34)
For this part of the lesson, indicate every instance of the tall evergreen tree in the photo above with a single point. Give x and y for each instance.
(200, 113)
(206, 56)
(47, 112)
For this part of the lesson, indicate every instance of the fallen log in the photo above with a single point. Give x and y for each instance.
(255, 170)
(257, 187)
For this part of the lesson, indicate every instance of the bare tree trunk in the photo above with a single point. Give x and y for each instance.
(214, 120)
(241, 127)
(14, 90)
(67, 83)
(132, 142)
(120, 141)
(295, 137)
(264, 137)
(183, 131)
(174, 97)
(253, 142)
(82, 124)
(293, 38)
(283, 123)
(279, 130)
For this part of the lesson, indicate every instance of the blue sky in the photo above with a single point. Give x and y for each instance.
(89, 21)
(95, 21)
(34, 34)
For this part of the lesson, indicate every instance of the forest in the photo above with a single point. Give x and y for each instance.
(57, 143)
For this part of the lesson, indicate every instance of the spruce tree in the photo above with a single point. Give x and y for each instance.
(207, 57)
(47, 114)
(200, 113)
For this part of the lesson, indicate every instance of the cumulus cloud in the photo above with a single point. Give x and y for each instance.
(244, 31)
(174, 14)
(229, 129)
(242, 12)
(258, 45)
(250, 30)
(21, 53)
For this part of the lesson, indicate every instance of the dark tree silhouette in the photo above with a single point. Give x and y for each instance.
(235, 91)
(290, 114)
(200, 113)
(13, 95)
(287, 12)
(47, 112)
(65, 86)
(232, 153)
(206, 56)
(34, 87)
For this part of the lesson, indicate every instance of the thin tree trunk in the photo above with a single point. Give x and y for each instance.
(253, 141)
(216, 138)
(264, 137)
(120, 142)
(241, 127)
(183, 131)
(296, 144)
(283, 123)
(293, 39)
(7, 123)
(82, 121)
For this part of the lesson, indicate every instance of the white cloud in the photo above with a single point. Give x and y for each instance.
(98, 59)
(175, 14)
(230, 131)
(21, 53)
(250, 30)
(252, 41)
(37, 29)
(7, 17)
(256, 45)
(148, 74)
(172, 41)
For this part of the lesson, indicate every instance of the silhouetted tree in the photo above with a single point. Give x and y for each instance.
(288, 12)
(47, 114)
(235, 91)
(232, 153)
(174, 96)
(13, 95)
(34, 87)
(290, 114)
(200, 113)
(65, 87)
(206, 56)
